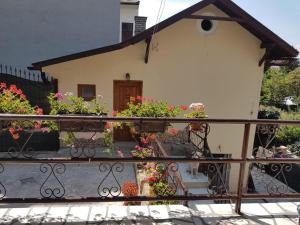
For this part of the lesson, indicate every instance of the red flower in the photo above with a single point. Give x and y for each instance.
(152, 137)
(13, 88)
(23, 97)
(114, 113)
(171, 107)
(39, 111)
(11, 130)
(108, 126)
(16, 136)
(183, 107)
(13, 133)
(19, 92)
(172, 131)
(3, 85)
(151, 179)
(139, 98)
(132, 99)
(129, 189)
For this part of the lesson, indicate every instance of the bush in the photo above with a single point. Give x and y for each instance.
(288, 135)
(295, 148)
(268, 112)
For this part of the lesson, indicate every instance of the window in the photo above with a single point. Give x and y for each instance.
(87, 91)
(206, 25)
(127, 31)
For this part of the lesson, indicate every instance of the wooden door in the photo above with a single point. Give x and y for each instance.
(123, 90)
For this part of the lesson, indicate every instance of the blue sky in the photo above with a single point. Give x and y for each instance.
(281, 16)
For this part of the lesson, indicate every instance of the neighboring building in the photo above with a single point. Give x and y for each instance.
(130, 23)
(35, 29)
(212, 52)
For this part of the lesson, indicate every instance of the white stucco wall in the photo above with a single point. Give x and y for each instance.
(221, 70)
(127, 14)
(35, 30)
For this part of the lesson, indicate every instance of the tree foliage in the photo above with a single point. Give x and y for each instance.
(278, 84)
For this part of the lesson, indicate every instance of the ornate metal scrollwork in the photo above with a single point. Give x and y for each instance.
(2, 187)
(21, 150)
(199, 139)
(83, 147)
(47, 189)
(112, 189)
(279, 187)
(266, 134)
(217, 184)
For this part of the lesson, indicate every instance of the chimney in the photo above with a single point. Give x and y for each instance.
(140, 24)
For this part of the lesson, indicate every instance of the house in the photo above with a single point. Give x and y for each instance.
(130, 23)
(33, 29)
(213, 52)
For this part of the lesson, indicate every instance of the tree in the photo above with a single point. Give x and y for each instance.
(278, 84)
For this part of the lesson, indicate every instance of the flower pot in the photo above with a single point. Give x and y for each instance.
(196, 126)
(81, 126)
(151, 127)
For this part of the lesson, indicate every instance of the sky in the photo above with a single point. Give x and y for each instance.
(280, 16)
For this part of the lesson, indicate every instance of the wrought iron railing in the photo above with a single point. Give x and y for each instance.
(108, 169)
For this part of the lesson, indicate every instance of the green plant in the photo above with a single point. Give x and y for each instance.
(198, 111)
(108, 138)
(142, 152)
(268, 112)
(287, 135)
(164, 189)
(75, 105)
(141, 107)
(13, 100)
(295, 148)
(278, 84)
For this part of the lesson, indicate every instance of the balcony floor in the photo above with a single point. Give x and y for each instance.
(283, 213)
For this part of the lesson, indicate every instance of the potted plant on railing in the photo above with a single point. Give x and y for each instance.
(13, 101)
(198, 111)
(142, 107)
(68, 104)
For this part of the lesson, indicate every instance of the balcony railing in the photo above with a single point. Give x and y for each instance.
(108, 171)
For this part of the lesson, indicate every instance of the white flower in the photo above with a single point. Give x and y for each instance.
(197, 106)
(68, 94)
(100, 97)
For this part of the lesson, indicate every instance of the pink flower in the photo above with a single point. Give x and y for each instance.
(45, 129)
(37, 125)
(59, 96)
(171, 107)
(39, 111)
(120, 153)
(114, 113)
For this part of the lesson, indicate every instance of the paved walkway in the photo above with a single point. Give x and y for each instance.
(253, 213)
(265, 183)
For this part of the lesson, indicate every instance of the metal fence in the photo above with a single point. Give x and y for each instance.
(54, 170)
